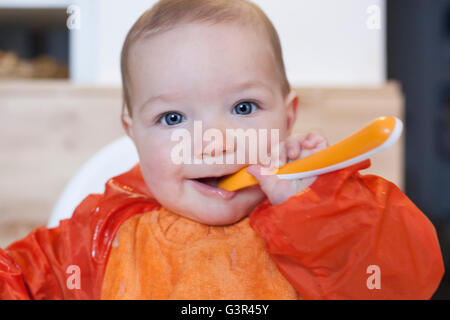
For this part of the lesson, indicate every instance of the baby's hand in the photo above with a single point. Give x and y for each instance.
(296, 147)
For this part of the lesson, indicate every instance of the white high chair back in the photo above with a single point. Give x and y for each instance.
(114, 159)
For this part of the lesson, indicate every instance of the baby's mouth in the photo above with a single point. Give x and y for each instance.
(208, 186)
(210, 181)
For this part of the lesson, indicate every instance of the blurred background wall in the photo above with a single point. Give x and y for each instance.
(319, 40)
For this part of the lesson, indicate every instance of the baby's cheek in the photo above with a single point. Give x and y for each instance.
(160, 169)
(163, 177)
(154, 153)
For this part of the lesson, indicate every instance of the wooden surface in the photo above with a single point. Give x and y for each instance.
(49, 129)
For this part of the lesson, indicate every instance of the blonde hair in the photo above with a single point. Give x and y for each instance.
(166, 14)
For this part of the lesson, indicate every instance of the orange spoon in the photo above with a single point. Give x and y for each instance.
(378, 135)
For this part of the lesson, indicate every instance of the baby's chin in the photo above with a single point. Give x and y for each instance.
(217, 218)
(217, 212)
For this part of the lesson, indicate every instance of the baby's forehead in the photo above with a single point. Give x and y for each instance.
(197, 59)
(195, 33)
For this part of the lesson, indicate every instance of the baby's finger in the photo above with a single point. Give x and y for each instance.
(313, 139)
(276, 190)
(293, 146)
(267, 179)
(322, 144)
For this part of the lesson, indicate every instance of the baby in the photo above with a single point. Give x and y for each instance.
(164, 230)
(222, 70)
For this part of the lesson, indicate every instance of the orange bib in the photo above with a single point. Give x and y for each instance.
(161, 255)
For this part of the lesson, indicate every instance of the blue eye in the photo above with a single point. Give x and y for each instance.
(171, 118)
(245, 107)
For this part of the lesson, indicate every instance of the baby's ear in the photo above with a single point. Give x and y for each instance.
(127, 124)
(291, 103)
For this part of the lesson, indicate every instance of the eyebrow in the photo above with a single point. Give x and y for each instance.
(251, 85)
(162, 97)
(247, 85)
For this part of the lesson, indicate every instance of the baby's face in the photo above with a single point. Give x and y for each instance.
(223, 75)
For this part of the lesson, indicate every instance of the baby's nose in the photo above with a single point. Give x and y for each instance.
(214, 141)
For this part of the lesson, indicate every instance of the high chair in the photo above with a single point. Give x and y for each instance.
(114, 159)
